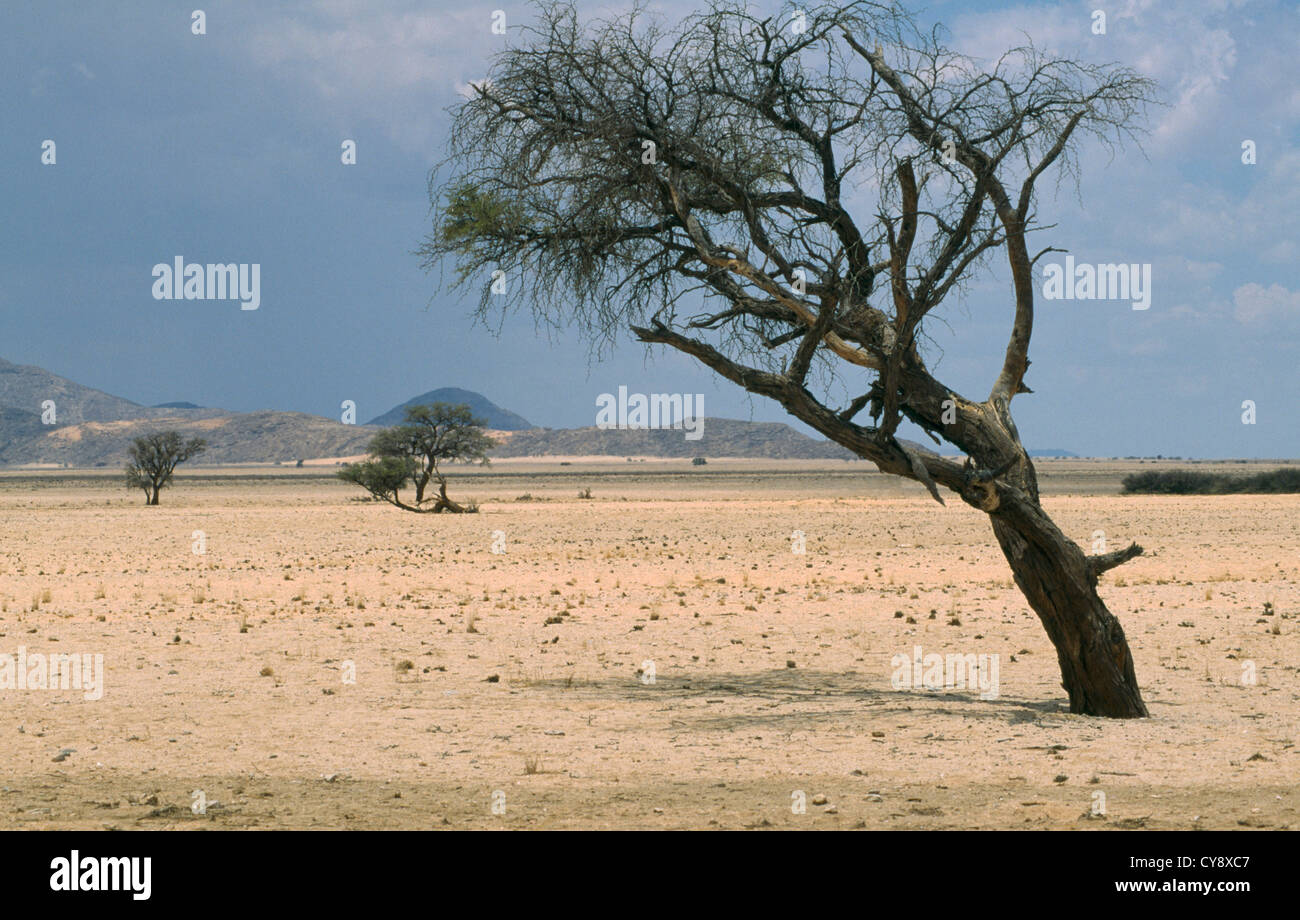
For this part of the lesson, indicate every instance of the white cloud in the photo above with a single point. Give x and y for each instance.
(396, 66)
(398, 63)
(1283, 251)
(1256, 305)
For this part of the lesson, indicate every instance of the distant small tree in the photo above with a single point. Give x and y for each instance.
(411, 452)
(153, 459)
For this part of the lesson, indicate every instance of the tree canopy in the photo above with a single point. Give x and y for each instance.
(154, 457)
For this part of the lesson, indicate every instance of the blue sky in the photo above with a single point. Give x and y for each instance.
(225, 147)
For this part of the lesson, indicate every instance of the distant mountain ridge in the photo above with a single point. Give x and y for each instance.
(93, 428)
(720, 437)
(246, 437)
(493, 415)
(28, 388)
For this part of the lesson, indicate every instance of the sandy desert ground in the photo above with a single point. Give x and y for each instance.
(511, 689)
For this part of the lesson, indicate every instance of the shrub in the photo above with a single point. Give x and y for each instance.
(1192, 482)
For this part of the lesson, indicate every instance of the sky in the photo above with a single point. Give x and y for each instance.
(227, 147)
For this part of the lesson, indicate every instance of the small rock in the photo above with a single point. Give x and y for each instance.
(819, 799)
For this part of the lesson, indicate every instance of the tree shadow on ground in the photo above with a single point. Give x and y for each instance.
(809, 697)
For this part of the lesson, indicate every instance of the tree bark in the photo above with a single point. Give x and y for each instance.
(1059, 581)
(1096, 665)
(444, 503)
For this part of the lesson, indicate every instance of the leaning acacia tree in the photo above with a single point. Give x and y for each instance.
(411, 452)
(788, 200)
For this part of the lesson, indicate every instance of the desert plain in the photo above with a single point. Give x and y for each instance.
(658, 655)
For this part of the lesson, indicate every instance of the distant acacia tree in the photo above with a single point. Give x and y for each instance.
(774, 193)
(412, 452)
(153, 459)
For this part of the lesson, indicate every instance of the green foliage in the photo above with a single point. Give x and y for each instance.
(1195, 482)
(382, 477)
(471, 215)
(395, 442)
(444, 431)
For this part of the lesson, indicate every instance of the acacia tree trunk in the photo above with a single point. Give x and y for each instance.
(1060, 583)
(444, 503)
(1096, 665)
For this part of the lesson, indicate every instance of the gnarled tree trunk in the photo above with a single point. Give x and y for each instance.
(443, 503)
(1060, 583)
(1096, 666)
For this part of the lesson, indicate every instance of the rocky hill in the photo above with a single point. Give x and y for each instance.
(91, 428)
(493, 415)
(721, 437)
(28, 388)
(246, 437)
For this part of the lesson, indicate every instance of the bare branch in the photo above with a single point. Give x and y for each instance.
(1106, 561)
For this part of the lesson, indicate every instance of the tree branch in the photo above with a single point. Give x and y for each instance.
(1107, 561)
